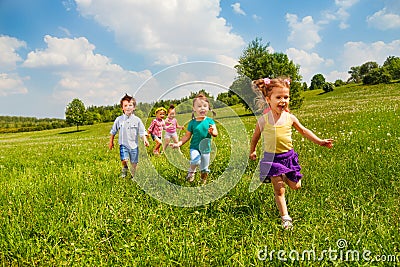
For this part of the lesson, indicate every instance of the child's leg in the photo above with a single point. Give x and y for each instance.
(124, 156)
(279, 191)
(194, 162)
(166, 142)
(291, 184)
(204, 163)
(133, 169)
(204, 176)
(124, 163)
(175, 138)
(156, 149)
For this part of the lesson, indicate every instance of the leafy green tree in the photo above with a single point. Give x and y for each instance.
(367, 67)
(392, 65)
(228, 99)
(339, 83)
(75, 113)
(317, 81)
(305, 87)
(376, 76)
(354, 75)
(328, 87)
(257, 62)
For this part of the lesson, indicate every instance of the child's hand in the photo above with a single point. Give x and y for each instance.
(174, 145)
(327, 143)
(211, 131)
(146, 143)
(111, 145)
(253, 156)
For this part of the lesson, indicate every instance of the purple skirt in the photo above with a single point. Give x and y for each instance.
(277, 164)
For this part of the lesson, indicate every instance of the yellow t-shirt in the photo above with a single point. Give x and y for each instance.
(278, 138)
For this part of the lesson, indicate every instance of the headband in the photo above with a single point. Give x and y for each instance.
(159, 109)
(268, 81)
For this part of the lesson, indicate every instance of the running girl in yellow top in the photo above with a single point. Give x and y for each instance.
(280, 163)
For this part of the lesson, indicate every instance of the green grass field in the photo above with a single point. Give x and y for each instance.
(62, 201)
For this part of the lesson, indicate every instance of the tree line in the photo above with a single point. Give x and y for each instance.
(14, 124)
(368, 73)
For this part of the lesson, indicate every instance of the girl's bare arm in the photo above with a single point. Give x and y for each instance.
(256, 137)
(309, 134)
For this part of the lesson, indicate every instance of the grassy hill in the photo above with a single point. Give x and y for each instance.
(62, 201)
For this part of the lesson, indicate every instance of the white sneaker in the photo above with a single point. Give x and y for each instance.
(124, 172)
(287, 224)
(190, 176)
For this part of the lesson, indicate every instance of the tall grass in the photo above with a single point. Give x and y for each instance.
(62, 202)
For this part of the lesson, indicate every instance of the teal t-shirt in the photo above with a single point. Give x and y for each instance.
(201, 139)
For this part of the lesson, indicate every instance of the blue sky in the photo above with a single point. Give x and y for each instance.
(54, 51)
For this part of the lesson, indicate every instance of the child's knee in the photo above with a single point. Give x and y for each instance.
(295, 186)
(280, 191)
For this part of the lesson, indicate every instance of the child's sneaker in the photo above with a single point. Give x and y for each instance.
(190, 176)
(124, 172)
(204, 178)
(287, 223)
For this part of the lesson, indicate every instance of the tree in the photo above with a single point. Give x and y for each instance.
(75, 113)
(328, 87)
(339, 83)
(228, 99)
(392, 65)
(257, 62)
(378, 75)
(367, 67)
(305, 86)
(354, 75)
(317, 81)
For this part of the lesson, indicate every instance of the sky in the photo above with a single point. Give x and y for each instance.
(53, 51)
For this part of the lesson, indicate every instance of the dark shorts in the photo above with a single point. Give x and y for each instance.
(155, 137)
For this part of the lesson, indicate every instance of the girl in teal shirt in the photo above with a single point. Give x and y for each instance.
(200, 130)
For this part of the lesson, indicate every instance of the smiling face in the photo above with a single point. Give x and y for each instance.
(201, 107)
(278, 100)
(160, 114)
(171, 113)
(128, 107)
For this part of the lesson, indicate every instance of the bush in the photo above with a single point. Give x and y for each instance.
(328, 87)
(376, 76)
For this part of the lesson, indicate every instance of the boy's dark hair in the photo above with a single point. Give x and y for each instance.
(128, 98)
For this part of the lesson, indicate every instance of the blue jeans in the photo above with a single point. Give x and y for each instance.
(131, 154)
(196, 158)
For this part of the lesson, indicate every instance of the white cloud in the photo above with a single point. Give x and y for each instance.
(310, 63)
(228, 61)
(91, 77)
(341, 14)
(357, 53)
(384, 20)
(336, 75)
(304, 33)
(179, 80)
(237, 9)
(8, 55)
(167, 32)
(346, 3)
(11, 84)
